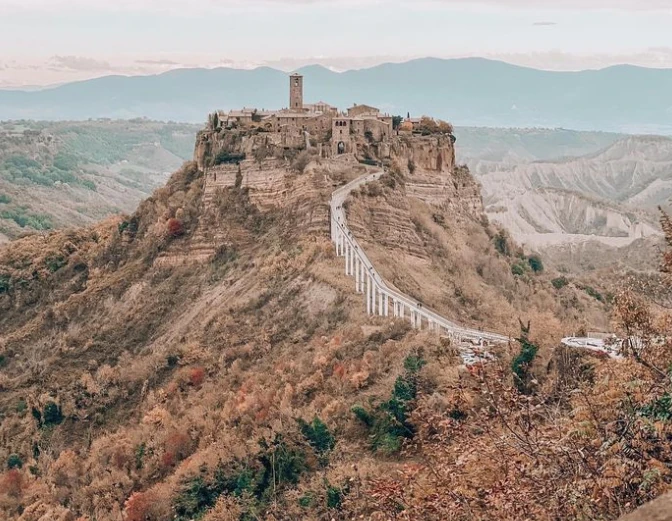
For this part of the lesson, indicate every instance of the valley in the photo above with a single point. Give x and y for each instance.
(55, 175)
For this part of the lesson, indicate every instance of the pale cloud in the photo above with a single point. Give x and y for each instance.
(157, 62)
(78, 63)
(544, 24)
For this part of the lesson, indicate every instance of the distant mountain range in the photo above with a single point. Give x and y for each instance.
(472, 91)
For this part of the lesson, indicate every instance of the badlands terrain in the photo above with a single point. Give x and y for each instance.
(584, 202)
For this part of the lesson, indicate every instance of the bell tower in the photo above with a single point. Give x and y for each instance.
(296, 92)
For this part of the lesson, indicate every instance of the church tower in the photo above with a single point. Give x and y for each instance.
(296, 92)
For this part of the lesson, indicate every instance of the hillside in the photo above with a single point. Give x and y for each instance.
(55, 175)
(206, 358)
(467, 91)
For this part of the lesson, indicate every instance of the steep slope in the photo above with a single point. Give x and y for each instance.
(54, 175)
(468, 91)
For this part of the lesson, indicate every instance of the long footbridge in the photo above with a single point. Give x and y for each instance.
(381, 299)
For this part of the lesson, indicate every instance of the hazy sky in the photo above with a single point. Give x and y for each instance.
(53, 41)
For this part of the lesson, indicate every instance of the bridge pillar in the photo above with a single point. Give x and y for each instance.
(386, 306)
(380, 303)
(368, 295)
(357, 273)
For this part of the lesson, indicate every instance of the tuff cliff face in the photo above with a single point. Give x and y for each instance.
(291, 174)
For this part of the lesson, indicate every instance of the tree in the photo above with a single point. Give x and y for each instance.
(523, 362)
(396, 121)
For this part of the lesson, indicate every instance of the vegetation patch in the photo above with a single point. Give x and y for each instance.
(560, 282)
(388, 423)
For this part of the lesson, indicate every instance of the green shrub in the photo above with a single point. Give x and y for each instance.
(5, 284)
(195, 497)
(535, 263)
(593, 293)
(362, 415)
(318, 436)
(5, 199)
(414, 363)
(281, 462)
(560, 282)
(140, 455)
(55, 263)
(21, 407)
(66, 162)
(659, 409)
(24, 219)
(335, 496)
(369, 161)
(306, 501)
(518, 270)
(14, 462)
(501, 241)
(52, 414)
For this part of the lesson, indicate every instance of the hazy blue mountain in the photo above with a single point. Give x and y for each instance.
(467, 92)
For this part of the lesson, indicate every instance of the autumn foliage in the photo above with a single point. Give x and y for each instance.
(12, 483)
(175, 227)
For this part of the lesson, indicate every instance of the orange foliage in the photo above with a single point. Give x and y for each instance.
(177, 447)
(137, 506)
(196, 376)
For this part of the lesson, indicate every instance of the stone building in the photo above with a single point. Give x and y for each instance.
(362, 123)
(341, 142)
(362, 110)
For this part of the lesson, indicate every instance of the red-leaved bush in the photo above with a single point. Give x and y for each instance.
(196, 376)
(175, 227)
(12, 483)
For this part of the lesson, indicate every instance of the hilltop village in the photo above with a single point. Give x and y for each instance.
(362, 131)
